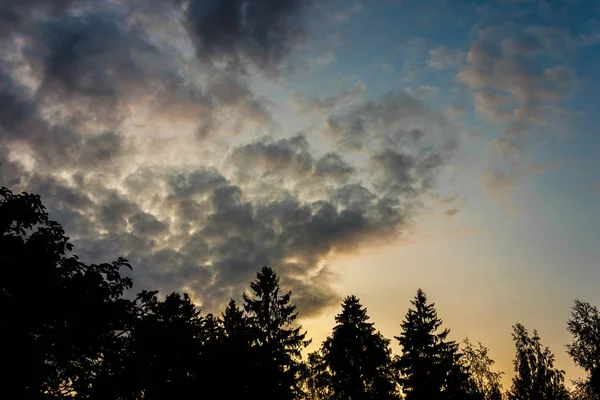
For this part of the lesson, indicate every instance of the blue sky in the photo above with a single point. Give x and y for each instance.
(366, 147)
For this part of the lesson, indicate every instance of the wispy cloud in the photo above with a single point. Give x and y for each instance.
(519, 77)
(441, 57)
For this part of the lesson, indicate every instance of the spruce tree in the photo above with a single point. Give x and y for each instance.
(165, 348)
(277, 344)
(237, 354)
(430, 365)
(535, 376)
(358, 358)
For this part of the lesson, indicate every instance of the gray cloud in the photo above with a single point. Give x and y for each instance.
(333, 165)
(83, 70)
(260, 33)
(290, 157)
(354, 128)
(101, 107)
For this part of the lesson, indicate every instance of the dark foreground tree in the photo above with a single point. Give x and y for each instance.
(430, 365)
(356, 357)
(316, 380)
(584, 325)
(237, 354)
(277, 342)
(535, 376)
(484, 382)
(161, 355)
(59, 315)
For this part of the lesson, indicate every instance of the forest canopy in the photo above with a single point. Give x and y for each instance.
(73, 330)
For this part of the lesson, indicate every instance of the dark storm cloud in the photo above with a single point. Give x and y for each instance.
(16, 13)
(94, 55)
(15, 106)
(258, 32)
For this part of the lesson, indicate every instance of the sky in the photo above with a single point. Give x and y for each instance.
(357, 147)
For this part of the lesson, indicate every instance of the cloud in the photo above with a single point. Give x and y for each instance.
(147, 138)
(519, 76)
(441, 57)
(255, 33)
(354, 128)
(499, 182)
(325, 105)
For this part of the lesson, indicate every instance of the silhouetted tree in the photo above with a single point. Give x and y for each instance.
(584, 325)
(582, 390)
(535, 376)
(357, 357)
(277, 344)
(485, 382)
(430, 365)
(316, 379)
(164, 349)
(237, 353)
(59, 315)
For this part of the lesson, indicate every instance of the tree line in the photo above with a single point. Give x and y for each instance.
(70, 331)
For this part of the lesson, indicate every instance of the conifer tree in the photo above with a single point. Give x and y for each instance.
(276, 341)
(237, 353)
(165, 348)
(357, 357)
(535, 376)
(430, 366)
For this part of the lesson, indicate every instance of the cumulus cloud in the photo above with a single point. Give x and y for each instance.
(255, 33)
(140, 125)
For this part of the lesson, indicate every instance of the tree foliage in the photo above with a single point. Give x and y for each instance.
(485, 383)
(535, 376)
(59, 315)
(277, 342)
(430, 365)
(73, 330)
(355, 361)
(584, 325)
